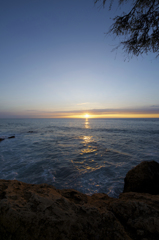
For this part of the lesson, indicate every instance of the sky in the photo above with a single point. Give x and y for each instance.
(56, 61)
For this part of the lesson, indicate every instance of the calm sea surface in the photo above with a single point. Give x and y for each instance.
(91, 155)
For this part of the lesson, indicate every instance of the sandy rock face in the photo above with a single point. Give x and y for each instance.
(38, 212)
(143, 178)
(42, 212)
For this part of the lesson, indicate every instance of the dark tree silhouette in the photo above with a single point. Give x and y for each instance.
(140, 26)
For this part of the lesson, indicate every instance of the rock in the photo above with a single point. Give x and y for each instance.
(143, 178)
(1, 139)
(39, 212)
(30, 131)
(11, 137)
(139, 214)
(30, 212)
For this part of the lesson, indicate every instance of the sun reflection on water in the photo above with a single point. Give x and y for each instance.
(88, 148)
(87, 139)
(87, 125)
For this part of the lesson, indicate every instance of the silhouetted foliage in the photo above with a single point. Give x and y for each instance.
(140, 26)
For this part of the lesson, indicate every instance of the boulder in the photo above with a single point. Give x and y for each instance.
(139, 214)
(143, 178)
(1, 139)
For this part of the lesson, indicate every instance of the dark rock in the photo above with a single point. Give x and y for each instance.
(30, 131)
(139, 214)
(11, 137)
(1, 139)
(143, 178)
(40, 212)
(30, 212)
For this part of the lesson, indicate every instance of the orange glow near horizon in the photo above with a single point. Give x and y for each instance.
(84, 115)
(122, 115)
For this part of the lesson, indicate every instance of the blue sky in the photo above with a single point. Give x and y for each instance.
(56, 61)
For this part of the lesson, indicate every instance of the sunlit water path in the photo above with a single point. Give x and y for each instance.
(89, 155)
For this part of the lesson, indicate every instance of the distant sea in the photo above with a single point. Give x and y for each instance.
(89, 155)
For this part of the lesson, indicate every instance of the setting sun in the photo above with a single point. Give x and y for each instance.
(86, 115)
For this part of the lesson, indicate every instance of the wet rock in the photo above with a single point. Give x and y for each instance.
(1, 139)
(11, 137)
(30, 131)
(143, 178)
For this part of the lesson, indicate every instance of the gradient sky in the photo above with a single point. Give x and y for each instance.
(56, 61)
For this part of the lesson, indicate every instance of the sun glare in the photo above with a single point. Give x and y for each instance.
(86, 115)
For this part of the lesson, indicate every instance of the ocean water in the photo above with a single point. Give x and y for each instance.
(89, 155)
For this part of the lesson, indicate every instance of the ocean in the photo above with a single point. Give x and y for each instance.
(89, 155)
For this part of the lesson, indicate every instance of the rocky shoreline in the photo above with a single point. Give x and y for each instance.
(30, 211)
